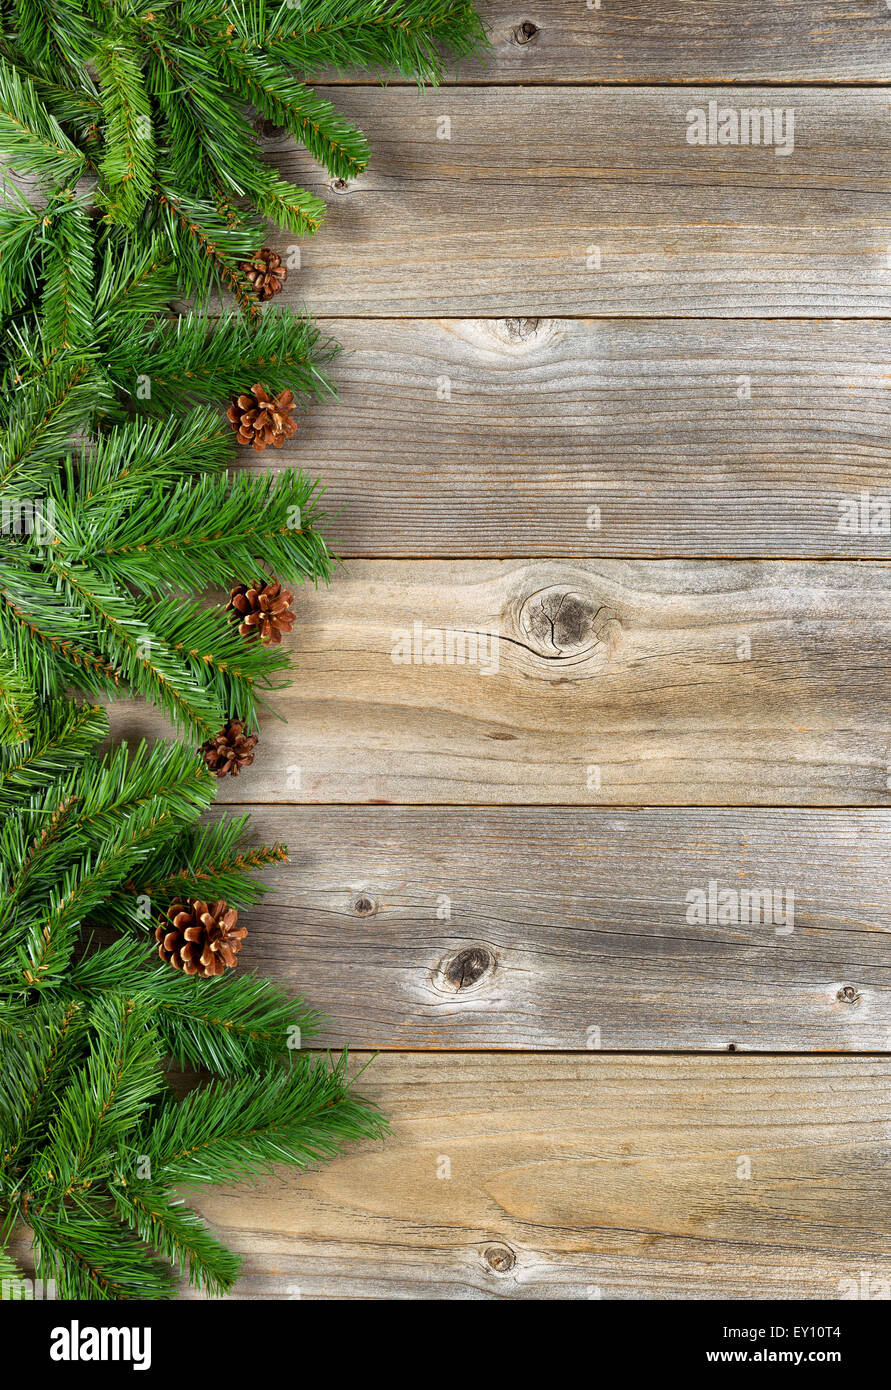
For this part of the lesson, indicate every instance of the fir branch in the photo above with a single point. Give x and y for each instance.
(54, 33)
(64, 735)
(246, 1125)
(18, 702)
(179, 1234)
(264, 519)
(33, 141)
(134, 284)
(90, 1255)
(332, 141)
(206, 248)
(20, 250)
(47, 637)
(224, 1026)
(299, 212)
(197, 359)
(209, 860)
(67, 279)
(92, 1139)
(129, 160)
(144, 659)
(42, 405)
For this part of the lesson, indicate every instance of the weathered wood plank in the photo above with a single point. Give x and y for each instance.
(568, 929)
(590, 201)
(602, 437)
(583, 683)
(697, 41)
(584, 1177)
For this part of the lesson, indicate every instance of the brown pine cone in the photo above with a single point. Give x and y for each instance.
(230, 751)
(200, 938)
(263, 608)
(266, 272)
(259, 419)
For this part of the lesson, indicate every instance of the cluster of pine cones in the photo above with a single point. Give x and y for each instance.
(195, 936)
(258, 418)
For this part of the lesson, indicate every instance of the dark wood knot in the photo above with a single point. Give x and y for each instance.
(500, 1258)
(848, 995)
(340, 185)
(267, 129)
(364, 906)
(467, 967)
(561, 621)
(526, 32)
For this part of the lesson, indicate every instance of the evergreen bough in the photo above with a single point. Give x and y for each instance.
(153, 101)
(145, 179)
(114, 490)
(133, 129)
(93, 1139)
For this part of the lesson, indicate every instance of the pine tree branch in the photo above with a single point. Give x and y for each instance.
(143, 658)
(179, 1234)
(247, 1125)
(67, 279)
(64, 735)
(33, 141)
(129, 160)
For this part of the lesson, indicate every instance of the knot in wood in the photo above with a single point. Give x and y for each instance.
(266, 129)
(363, 905)
(561, 621)
(517, 329)
(525, 32)
(500, 1258)
(848, 995)
(340, 185)
(466, 967)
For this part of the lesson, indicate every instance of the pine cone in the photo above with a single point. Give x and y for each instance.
(230, 751)
(264, 609)
(260, 419)
(266, 273)
(200, 938)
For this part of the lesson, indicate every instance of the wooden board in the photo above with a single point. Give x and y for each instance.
(586, 1177)
(594, 682)
(560, 41)
(567, 437)
(591, 346)
(589, 201)
(569, 929)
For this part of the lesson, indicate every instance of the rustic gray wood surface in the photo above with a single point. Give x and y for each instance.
(547, 1176)
(554, 201)
(583, 682)
(577, 343)
(549, 437)
(554, 928)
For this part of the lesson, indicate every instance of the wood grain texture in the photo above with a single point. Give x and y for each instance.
(545, 437)
(695, 41)
(589, 201)
(567, 929)
(612, 682)
(585, 1177)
